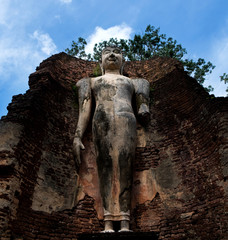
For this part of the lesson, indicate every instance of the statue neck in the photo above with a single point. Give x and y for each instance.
(112, 71)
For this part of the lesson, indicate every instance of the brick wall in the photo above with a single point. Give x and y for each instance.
(179, 174)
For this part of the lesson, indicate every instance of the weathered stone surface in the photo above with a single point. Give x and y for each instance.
(180, 170)
(9, 181)
(114, 132)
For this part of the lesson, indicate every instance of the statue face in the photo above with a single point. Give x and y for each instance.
(112, 58)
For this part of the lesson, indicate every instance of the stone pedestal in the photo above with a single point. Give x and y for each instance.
(119, 236)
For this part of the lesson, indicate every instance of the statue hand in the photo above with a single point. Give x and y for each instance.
(77, 146)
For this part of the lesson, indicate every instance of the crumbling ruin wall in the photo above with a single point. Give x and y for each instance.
(186, 155)
(179, 187)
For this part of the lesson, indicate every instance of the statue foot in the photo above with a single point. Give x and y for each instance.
(108, 227)
(124, 226)
(125, 230)
(108, 231)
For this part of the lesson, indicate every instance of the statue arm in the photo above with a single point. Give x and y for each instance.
(85, 104)
(142, 91)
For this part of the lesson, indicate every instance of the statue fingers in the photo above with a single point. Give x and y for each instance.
(76, 152)
(77, 157)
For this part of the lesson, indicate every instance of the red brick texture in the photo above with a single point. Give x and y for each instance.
(180, 175)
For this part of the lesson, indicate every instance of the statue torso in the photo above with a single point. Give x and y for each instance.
(113, 92)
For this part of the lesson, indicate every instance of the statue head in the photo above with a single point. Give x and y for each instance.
(112, 59)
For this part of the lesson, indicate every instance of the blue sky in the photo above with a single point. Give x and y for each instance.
(31, 31)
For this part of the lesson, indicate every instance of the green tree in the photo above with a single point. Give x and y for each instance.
(224, 78)
(78, 49)
(146, 46)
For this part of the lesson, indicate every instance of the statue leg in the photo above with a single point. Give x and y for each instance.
(115, 147)
(126, 149)
(103, 146)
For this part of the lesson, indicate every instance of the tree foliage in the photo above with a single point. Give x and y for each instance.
(146, 46)
(224, 78)
(78, 49)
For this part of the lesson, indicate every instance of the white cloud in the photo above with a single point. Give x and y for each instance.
(20, 52)
(45, 42)
(122, 31)
(3, 11)
(219, 57)
(66, 1)
(17, 60)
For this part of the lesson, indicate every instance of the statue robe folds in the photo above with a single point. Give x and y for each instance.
(114, 136)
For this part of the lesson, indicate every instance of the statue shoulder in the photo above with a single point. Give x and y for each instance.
(84, 88)
(139, 80)
(84, 82)
(140, 84)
